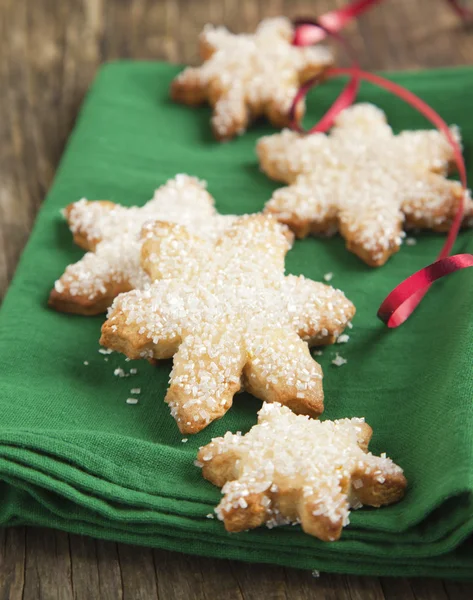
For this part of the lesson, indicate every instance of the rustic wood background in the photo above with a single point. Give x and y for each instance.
(49, 53)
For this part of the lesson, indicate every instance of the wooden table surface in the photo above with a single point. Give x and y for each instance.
(49, 53)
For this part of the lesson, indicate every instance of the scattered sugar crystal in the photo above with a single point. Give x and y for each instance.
(86, 362)
(184, 440)
(119, 372)
(343, 339)
(328, 276)
(315, 573)
(132, 400)
(242, 502)
(410, 241)
(105, 351)
(135, 391)
(338, 361)
(210, 516)
(133, 371)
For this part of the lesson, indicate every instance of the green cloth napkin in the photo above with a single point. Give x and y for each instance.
(75, 456)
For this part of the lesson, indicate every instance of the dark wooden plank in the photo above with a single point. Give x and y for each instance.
(458, 590)
(18, 185)
(137, 572)
(12, 563)
(183, 577)
(48, 565)
(110, 576)
(218, 580)
(84, 563)
(397, 588)
(365, 588)
(178, 576)
(428, 589)
(258, 581)
(312, 585)
(439, 40)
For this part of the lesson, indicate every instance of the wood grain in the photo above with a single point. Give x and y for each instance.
(49, 53)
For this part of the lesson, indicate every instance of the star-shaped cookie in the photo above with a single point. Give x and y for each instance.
(292, 469)
(230, 317)
(248, 75)
(111, 234)
(363, 181)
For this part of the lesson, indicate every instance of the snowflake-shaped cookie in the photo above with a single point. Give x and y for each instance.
(292, 469)
(363, 181)
(111, 233)
(248, 75)
(230, 317)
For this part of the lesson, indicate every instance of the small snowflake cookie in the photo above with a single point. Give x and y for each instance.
(248, 75)
(230, 318)
(292, 469)
(363, 181)
(111, 234)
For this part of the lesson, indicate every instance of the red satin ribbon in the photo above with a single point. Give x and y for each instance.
(309, 32)
(312, 32)
(344, 100)
(464, 13)
(402, 301)
(349, 92)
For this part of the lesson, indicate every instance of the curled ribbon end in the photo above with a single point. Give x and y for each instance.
(403, 300)
(384, 316)
(394, 311)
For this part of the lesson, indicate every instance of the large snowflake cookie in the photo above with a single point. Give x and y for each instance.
(230, 317)
(248, 75)
(363, 181)
(292, 469)
(111, 234)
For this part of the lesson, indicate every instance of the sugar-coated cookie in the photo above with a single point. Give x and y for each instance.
(111, 234)
(363, 181)
(292, 469)
(248, 75)
(230, 318)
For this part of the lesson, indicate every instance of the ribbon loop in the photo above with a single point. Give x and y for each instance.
(402, 301)
(306, 34)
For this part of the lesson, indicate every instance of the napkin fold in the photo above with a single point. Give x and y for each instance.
(75, 456)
